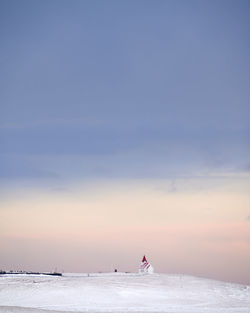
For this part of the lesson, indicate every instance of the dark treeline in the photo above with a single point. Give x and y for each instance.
(28, 273)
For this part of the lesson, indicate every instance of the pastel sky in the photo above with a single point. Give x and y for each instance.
(125, 130)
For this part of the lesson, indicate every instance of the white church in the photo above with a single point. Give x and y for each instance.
(145, 267)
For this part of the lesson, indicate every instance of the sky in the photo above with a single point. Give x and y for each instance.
(124, 131)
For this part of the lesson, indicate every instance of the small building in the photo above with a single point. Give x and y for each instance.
(145, 267)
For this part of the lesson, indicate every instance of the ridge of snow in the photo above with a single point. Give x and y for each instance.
(121, 292)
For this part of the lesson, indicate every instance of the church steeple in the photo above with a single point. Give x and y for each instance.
(146, 267)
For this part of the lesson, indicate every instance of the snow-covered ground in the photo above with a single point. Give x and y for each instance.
(118, 292)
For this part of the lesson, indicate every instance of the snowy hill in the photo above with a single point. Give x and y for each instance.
(120, 292)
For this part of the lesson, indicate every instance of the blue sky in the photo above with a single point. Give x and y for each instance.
(137, 88)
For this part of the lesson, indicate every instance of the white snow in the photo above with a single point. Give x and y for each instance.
(120, 292)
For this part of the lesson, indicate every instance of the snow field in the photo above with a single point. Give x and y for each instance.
(120, 292)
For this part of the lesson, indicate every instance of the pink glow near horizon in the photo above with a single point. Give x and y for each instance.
(204, 233)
